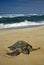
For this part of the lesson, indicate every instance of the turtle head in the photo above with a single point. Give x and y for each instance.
(25, 51)
(30, 48)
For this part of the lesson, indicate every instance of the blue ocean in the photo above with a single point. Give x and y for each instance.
(20, 20)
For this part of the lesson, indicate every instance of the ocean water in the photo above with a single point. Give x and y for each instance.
(20, 20)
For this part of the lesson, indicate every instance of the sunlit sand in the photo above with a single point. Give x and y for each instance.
(34, 36)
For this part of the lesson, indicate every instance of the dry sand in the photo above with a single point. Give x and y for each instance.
(34, 36)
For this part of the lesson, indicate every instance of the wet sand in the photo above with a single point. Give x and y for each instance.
(34, 36)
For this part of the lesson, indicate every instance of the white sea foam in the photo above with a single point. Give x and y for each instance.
(21, 24)
(16, 15)
(11, 15)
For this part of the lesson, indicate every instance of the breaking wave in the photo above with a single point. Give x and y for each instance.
(20, 20)
(21, 24)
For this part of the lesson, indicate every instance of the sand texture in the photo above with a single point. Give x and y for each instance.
(34, 36)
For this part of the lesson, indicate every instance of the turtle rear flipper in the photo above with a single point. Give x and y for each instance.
(11, 48)
(14, 53)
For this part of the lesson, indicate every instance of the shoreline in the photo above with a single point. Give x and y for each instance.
(24, 27)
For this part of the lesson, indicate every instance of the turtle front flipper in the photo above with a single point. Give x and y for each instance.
(35, 49)
(14, 53)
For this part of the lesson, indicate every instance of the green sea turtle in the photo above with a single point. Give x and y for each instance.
(20, 47)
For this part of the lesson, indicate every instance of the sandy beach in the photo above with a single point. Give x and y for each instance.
(34, 36)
